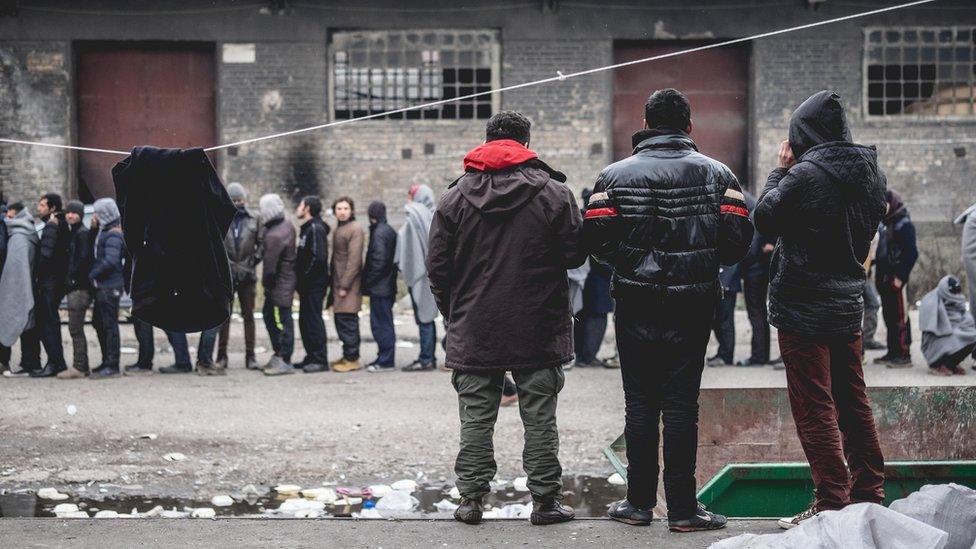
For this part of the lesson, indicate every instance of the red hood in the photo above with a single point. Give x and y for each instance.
(498, 155)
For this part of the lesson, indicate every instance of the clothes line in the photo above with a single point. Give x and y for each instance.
(558, 78)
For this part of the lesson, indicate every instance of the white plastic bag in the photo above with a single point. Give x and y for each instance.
(397, 500)
(948, 507)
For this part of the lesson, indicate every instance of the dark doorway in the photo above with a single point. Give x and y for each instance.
(141, 93)
(716, 83)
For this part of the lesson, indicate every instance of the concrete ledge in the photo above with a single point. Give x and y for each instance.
(353, 533)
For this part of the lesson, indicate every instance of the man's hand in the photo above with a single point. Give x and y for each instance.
(896, 283)
(768, 248)
(343, 293)
(785, 156)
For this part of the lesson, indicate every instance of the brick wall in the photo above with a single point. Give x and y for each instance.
(35, 103)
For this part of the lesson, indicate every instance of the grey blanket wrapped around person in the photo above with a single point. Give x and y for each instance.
(968, 222)
(947, 327)
(411, 252)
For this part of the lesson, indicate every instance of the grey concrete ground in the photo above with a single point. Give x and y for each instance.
(350, 533)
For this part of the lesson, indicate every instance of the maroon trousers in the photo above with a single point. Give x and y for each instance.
(833, 418)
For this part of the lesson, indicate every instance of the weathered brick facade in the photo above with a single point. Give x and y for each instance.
(286, 87)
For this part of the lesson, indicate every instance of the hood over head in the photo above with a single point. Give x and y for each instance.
(271, 207)
(818, 120)
(896, 206)
(21, 223)
(377, 211)
(236, 192)
(107, 211)
(422, 194)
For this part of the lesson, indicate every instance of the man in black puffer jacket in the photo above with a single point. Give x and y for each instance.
(52, 265)
(663, 220)
(824, 203)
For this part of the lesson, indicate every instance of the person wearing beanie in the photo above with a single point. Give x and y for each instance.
(278, 280)
(52, 263)
(106, 278)
(380, 284)
(244, 243)
(78, 287)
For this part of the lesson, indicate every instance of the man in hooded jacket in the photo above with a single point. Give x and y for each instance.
(106, 276)
(895, 258)
(411, 254)
(665, 219)
(502, 237)
(380, 284)
(824, 203)
(16, 288)
(278, 280)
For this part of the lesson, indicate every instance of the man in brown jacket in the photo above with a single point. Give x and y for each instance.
(347, 296)
(278, 280)
(502, 238)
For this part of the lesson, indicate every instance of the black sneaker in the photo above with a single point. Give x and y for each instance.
(872, 345)
(177, 369)
(138, 369)
(469, 512)
(314, 368)
(883, 359)
(623, 511)
(899, 362)
(702, 520)
(417, 366)
(550, 512)
(49, 370)
(104, 372)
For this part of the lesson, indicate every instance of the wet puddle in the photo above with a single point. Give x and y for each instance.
(588, 495)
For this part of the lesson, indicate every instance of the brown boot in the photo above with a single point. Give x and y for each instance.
(73, 373)
(344, 366)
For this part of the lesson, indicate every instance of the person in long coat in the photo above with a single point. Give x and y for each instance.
(347, 298)
(968, 221)
(411, 255)
(16, 286)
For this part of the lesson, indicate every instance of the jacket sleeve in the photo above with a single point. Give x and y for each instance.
(440, 258)
(905, 236)
(604, 229)
(354, 261)
(259, 245)
(376, 254)
(271, 255)
(777, 209)
(108, 260)
(736, 231)
(567, 228)
(318, 252)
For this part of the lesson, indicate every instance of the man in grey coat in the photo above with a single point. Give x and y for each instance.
(410, 257)
(16, 288)
(968, 222)
(245, 246)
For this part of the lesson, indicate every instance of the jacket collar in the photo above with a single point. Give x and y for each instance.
(662, 138)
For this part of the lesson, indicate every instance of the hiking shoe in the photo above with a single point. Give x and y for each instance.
(222, 362)
(251, 363)
(19, 372)
(376, 369)
(344, 365)
(702, 520)
(177, 369)
(49, 370)
(899, 362)
(469, 512)
(104, 372)
(790, 522)
(210, 370)
(314, 368)
(872, 345)
(623, 511)
(279, 368)
(550, 512)
(717, 362)
(138, 369)
(417, 366)
(72, 373)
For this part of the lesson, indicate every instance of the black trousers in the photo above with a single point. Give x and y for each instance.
(895, 314)
(47, 301)
(281, 329)
(755, 290)
(724, 325)
(347, 326)
(662, 344)
(588, 329)
(106, 322)
(311, 325)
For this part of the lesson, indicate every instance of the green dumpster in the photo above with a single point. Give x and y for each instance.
(771, 490)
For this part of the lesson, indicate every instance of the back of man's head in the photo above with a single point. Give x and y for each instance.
(508, 125)
(314, 205)
(53, 201)
(16, 207)
(667, 108)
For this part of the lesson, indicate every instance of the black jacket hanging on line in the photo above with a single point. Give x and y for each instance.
(180, 278)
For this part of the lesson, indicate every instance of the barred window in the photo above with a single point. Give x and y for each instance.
(920, 71)
(378, 71)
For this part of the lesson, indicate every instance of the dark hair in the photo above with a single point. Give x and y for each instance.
(508, 125)
(314, 205)
(16, 207)
(53, 201)
(345, 199)
(668, 108)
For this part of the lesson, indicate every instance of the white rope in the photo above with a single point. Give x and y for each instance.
(558, 78)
